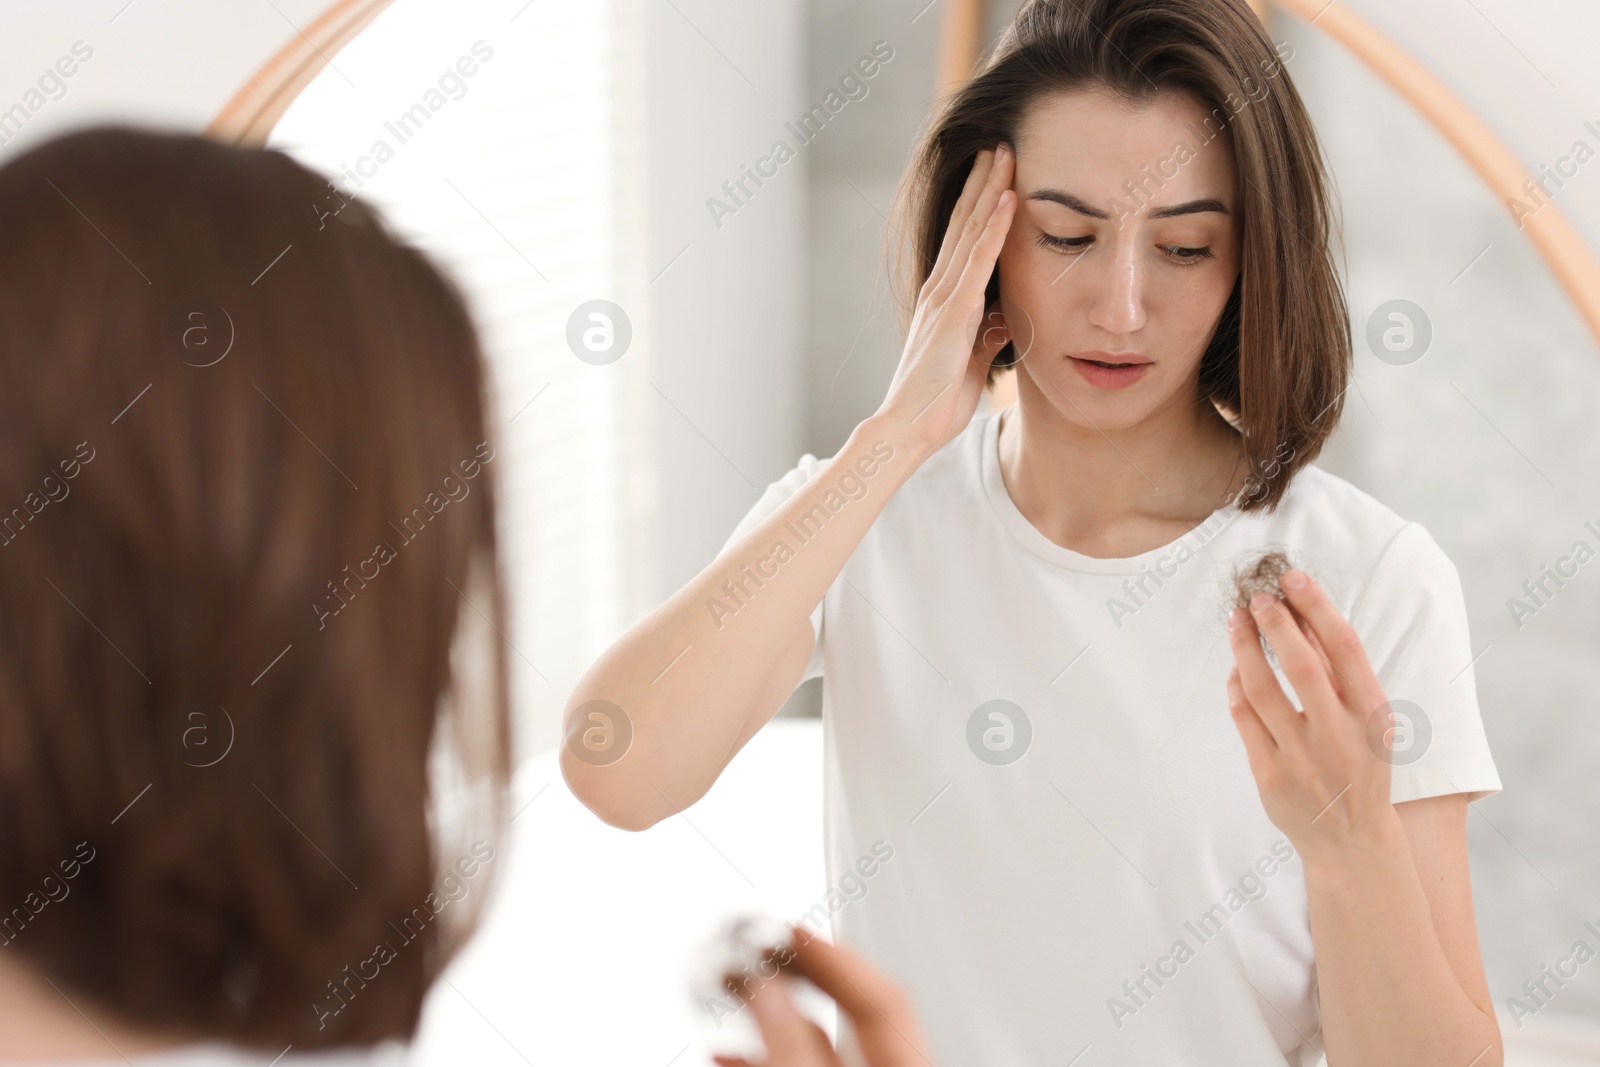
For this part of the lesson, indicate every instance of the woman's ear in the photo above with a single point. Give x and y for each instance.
(1007, 356)
(995, 331)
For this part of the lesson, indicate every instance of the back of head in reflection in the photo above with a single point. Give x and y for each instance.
(247, 547)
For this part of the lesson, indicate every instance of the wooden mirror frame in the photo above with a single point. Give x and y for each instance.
(251, 113)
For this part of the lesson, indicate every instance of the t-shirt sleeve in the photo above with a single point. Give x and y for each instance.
(1412, 620)
(775, 495)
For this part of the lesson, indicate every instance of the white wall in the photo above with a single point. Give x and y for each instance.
(170, 63)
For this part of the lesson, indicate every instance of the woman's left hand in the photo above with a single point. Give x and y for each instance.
(1323, 773)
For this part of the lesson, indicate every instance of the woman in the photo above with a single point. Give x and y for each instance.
(250, 575)
(1112, 828)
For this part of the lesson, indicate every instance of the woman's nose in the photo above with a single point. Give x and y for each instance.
(1119, 303)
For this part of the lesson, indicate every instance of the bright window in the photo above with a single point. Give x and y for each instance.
(495, 137)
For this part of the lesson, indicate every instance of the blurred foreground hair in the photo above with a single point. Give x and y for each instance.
(248, 563)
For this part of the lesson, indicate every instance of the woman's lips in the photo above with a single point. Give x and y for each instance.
(1103, 376)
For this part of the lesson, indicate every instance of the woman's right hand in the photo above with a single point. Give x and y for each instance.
(946, 359)
(879, 1011)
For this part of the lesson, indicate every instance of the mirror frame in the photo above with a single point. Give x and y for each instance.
(251, 113)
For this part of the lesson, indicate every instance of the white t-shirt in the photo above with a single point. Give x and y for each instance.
(1088, 864)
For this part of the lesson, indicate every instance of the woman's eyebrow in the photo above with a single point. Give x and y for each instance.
(1082, 207)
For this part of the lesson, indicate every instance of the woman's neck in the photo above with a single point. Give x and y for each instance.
(40, 1023)
(1117, 493)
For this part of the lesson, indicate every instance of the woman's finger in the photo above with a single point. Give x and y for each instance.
(965, 203)
(1338, 639)
(792, 1040)
(1259, 746)
(1339, 684)
(1260, 685)
(1300, 662)
(985, 252)
(880, 1013)
(979, 224)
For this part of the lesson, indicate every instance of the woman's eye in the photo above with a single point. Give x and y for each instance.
(1064, 244)
(1188, 256)
(1180, 254)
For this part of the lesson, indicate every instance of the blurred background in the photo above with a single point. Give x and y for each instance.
(558, 155)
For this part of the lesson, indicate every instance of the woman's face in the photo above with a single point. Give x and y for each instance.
(1125, 248)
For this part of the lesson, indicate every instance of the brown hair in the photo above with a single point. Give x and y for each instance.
(1260, 574)
(1280, 356)
(226, 392)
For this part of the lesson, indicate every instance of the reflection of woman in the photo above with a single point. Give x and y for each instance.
(1018, 620)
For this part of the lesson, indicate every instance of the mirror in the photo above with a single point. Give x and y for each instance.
(670, 334)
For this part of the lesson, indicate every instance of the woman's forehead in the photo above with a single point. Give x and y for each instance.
(1090, 143)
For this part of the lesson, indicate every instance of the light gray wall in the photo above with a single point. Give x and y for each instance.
(724, 301)
(853, 335)
(1464, 441)
(852, 330)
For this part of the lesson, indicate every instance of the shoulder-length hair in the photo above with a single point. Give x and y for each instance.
(245, 494)
(1279, 359)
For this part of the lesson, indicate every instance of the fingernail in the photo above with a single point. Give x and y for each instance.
(1236, 618)
(1261, 602)
(1292, 579)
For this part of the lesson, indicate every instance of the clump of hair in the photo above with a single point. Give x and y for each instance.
(745, 954)
(1259, 576)
(773, 958)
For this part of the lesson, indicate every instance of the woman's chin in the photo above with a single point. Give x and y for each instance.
(1076, 402)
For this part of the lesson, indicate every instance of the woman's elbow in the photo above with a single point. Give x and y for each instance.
(611, 798)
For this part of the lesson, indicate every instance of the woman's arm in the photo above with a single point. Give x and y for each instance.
(1398, 968)
(695, 681)
(1387, 888)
